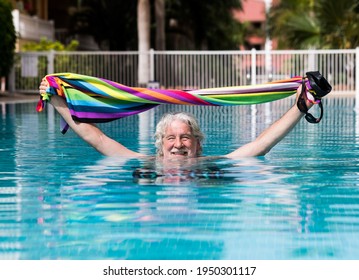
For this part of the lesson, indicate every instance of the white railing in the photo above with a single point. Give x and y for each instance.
(32, 27)
(207, 69)
(192, 69)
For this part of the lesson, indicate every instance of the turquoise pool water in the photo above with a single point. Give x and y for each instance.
(59, 199)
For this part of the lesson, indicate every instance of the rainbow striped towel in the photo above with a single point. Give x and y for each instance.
(96, 100)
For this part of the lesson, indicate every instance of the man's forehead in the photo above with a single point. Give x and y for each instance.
(178, 129)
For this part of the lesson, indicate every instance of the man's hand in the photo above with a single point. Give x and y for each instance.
(43, 86)
(307, 96)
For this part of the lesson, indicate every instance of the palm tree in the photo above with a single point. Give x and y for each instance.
(315, 24)
(144, 35)
(143, 31)
(340, 22)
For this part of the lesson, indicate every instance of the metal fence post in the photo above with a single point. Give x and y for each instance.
(152, 65)
(311, 59)
(253, 67)
(50, 61)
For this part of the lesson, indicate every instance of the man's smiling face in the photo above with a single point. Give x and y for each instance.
(179, 142)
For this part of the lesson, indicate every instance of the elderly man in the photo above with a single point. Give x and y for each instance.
(178, 134)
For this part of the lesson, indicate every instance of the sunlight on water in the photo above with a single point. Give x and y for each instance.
(59, 199)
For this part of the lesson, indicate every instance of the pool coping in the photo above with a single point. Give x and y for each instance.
(6, 97)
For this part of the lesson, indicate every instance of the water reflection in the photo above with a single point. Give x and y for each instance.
(212, 215)
(204, 213)
(210, 170)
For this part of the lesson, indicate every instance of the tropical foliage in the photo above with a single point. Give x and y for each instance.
(315, 24)
(111, 22)
(8, 38)
(207, 24)
(189, 24)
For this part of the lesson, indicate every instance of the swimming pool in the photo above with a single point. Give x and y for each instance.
(59, 199)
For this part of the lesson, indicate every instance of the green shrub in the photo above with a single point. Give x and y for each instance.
(47, 45)
(8, 38)
(44, 45)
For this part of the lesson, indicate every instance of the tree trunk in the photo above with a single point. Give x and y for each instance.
(160, 25)
(143, 30)
(3, 84)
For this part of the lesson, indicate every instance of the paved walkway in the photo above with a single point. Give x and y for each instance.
(6, 97)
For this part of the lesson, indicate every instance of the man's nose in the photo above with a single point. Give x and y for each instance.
(178, 143)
